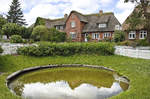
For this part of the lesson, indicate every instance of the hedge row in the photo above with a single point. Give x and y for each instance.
(1, 50)
(65, 49)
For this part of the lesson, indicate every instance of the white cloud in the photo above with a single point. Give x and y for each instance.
(55, 8)
(42, 10)
(4, 6)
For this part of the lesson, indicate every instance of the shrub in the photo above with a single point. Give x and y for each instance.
(143, 42)
(16, 39)
(65, 49)
(119, 36)
(40, 33)
(125, 43)
(1, 50)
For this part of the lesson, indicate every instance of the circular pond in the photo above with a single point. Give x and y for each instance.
(68, 83)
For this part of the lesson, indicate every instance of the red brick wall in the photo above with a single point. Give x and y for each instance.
(77, 29)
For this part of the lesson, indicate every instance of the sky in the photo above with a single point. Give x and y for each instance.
(57, 8)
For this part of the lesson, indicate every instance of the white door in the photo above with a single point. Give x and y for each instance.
(86, 35)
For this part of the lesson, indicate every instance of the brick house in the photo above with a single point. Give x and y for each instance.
(79, 26)
(140, 32)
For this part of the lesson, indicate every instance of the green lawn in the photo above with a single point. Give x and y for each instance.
(137, 70)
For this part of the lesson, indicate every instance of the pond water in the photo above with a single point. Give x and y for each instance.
(69, 83)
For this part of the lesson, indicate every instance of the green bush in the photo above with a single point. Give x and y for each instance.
(119, 36)
(16, 39)
(143, 42)
(40, 33)
(65, 49)
(1, 50)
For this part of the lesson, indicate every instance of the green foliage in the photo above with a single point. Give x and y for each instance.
(135, 20)
(143, 42)
(10, 29)
(1, 50)
(66, 49)
(119, 36)
(56, 36)
(25, 32)
(16, 39)
(3, 21)
(15, 14)
(39, 21)
(40, 33)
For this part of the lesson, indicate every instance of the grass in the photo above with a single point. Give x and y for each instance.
(137, 70)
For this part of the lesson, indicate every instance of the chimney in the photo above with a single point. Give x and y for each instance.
(65, 16)
(101, 12)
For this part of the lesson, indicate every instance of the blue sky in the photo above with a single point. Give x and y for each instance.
(57, 8)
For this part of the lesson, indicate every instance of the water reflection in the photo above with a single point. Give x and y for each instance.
(62, 90)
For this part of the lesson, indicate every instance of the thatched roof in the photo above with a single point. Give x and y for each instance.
(126, 25)
(91, 21)
(51, 23)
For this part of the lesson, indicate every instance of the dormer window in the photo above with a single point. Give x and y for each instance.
(102, 25)
(73, 24)
(59, 27)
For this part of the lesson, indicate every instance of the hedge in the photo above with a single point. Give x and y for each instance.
(66, 49)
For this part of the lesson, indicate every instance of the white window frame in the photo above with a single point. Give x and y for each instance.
(106, 35)
(61, 27)
(57, 27)
(73, 35)
(132, 35)
(102, 25)
(73, 24)
(95, 35)
(143, 34)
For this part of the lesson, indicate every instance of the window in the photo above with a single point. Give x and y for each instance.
(61, 27)
(132, 34)
(57, 27)
(143, 34)
(106, 35)
(73, 35)
(95, 36)
(102, 25)
(73, 24)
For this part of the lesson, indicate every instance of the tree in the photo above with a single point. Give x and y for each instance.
(10, 29)
(144, 6)
(2, 22)
(119, 36)
(40, 33)
(15, 14)
(56, 36)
